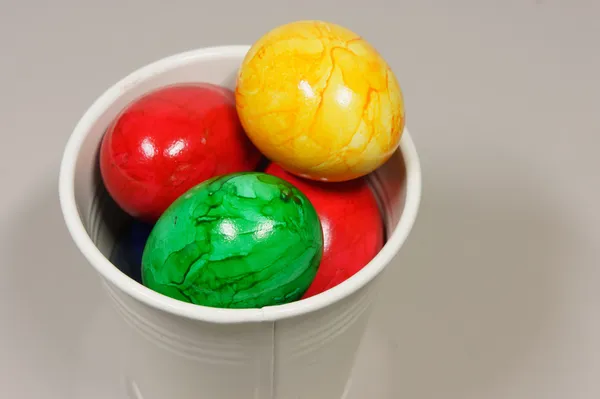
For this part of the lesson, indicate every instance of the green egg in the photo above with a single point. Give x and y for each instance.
(243, 240)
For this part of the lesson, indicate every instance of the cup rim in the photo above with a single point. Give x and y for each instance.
(155, 300)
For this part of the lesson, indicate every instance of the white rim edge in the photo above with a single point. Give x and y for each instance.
(214, 315)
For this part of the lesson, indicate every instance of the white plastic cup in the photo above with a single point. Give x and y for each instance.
(305, 349)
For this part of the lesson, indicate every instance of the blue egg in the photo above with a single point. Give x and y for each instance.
(129, 247)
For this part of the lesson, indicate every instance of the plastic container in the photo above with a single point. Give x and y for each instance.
(304, 349)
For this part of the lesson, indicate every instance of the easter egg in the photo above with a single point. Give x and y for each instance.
(320, 101)
(353, 230)
(169, 140)
(129, 247)
(243, 240)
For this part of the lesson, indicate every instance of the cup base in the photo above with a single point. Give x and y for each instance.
(97, 377)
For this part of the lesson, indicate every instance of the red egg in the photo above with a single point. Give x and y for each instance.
(170, 140)
(353, 230)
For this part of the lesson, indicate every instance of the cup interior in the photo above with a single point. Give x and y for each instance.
(95, 221)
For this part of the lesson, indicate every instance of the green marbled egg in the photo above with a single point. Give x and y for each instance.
(243, 240)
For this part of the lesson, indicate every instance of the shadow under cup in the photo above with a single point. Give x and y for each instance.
(305, 349)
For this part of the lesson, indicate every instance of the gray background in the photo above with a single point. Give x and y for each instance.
(496, 293)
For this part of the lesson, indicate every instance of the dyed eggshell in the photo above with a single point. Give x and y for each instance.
(244, 240)
(320, 101)
(168, 141)
(353, 231)
(129, 247)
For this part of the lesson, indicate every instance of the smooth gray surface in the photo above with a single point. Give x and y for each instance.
(496, 293)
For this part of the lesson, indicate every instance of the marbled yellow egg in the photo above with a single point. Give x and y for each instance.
(320, 101)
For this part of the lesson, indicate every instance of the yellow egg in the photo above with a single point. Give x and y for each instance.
(320, 101)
